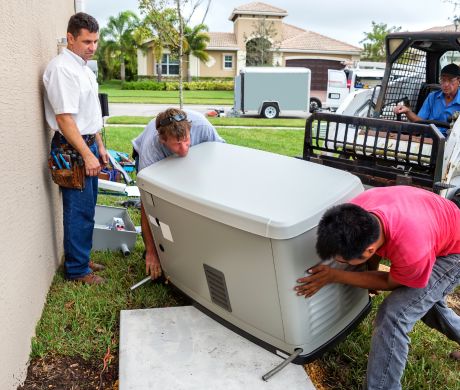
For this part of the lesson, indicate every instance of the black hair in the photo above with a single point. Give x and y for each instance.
(346, 230)
(82, 20)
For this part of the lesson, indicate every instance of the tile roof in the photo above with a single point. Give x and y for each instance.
(447, 28)
(222, 40)
(290, 31)
(259, 7)
(311, 41)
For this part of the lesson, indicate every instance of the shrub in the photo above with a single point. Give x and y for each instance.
(144, 85)
(150, 85)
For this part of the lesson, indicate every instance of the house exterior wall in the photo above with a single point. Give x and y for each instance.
(215, 65)
(142, 64)
(31, 232)
(245, 25)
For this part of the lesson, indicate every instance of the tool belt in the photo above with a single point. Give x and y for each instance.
(66, 164)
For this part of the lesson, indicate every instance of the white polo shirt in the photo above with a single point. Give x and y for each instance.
(71, 88)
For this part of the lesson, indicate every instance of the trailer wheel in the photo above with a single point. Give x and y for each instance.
(315, 104)
(270, 111)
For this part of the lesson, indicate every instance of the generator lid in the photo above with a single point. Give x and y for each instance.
(259, 192)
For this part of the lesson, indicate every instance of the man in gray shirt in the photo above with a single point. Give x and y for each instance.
(172, 132)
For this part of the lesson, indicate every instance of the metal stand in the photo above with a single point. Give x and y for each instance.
(133, 287)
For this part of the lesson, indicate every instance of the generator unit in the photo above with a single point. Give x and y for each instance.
(236, 227)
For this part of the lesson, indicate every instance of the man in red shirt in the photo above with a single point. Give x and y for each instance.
(419, 233)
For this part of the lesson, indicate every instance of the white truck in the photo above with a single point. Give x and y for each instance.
(341, 83)
(269, 91)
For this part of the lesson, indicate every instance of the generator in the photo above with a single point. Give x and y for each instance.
(235, 228)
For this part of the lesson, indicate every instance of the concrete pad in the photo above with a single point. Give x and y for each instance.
(182, 348)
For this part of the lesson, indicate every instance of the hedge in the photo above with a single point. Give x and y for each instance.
(150, 85)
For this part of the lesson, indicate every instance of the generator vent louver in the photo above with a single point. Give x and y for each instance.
(217, 287)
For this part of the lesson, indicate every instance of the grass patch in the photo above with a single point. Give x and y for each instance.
(286, 142)
(129, 120)
(80, 320)
(119, 138)
(224, 121)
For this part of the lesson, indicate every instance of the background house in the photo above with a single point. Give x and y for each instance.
(31, 232)
(292, 46)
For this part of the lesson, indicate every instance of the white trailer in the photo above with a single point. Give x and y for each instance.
(269, 91)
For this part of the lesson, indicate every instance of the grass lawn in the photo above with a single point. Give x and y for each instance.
(118, 95)
(83, 320)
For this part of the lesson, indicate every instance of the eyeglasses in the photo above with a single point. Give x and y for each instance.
(447, 80)
(173, 118)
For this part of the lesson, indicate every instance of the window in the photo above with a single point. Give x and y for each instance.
(228, 61)
(449, 57)
(169, 65)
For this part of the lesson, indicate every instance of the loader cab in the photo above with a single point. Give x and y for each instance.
(414, 62)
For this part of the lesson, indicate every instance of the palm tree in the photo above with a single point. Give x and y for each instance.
(119, 42)
(196, 40)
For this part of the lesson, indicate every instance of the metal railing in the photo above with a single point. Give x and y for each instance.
(381, 152)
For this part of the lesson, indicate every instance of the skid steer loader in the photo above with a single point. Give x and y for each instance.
(366, 138)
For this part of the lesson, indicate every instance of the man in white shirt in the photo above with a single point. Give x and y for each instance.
(73, 111)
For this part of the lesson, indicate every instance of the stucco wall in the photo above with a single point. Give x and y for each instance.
(215, 65)
(30, 210)
(244, 26)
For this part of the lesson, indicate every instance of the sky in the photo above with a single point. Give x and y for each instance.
(345, 20)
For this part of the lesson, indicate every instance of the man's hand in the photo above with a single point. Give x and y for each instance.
(103, 156)
(152, 265)
(92, 164)
(401, 109)
(320, 275)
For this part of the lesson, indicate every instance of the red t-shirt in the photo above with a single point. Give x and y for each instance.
(418, 226)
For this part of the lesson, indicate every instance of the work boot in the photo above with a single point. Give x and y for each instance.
(455, 355)
(90, 279)
(96, 267)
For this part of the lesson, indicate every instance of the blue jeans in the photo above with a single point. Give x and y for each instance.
(79, 208)
(397, 315)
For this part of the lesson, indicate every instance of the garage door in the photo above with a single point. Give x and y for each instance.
(318, 70)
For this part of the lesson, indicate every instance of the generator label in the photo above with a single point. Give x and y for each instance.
(166, 231)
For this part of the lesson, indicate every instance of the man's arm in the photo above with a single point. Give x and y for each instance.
(152, 262)
(323, 274)
(402, 109)
(103, 156)
(71, 133)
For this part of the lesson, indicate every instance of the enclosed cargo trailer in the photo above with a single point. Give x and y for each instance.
(269, 91)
